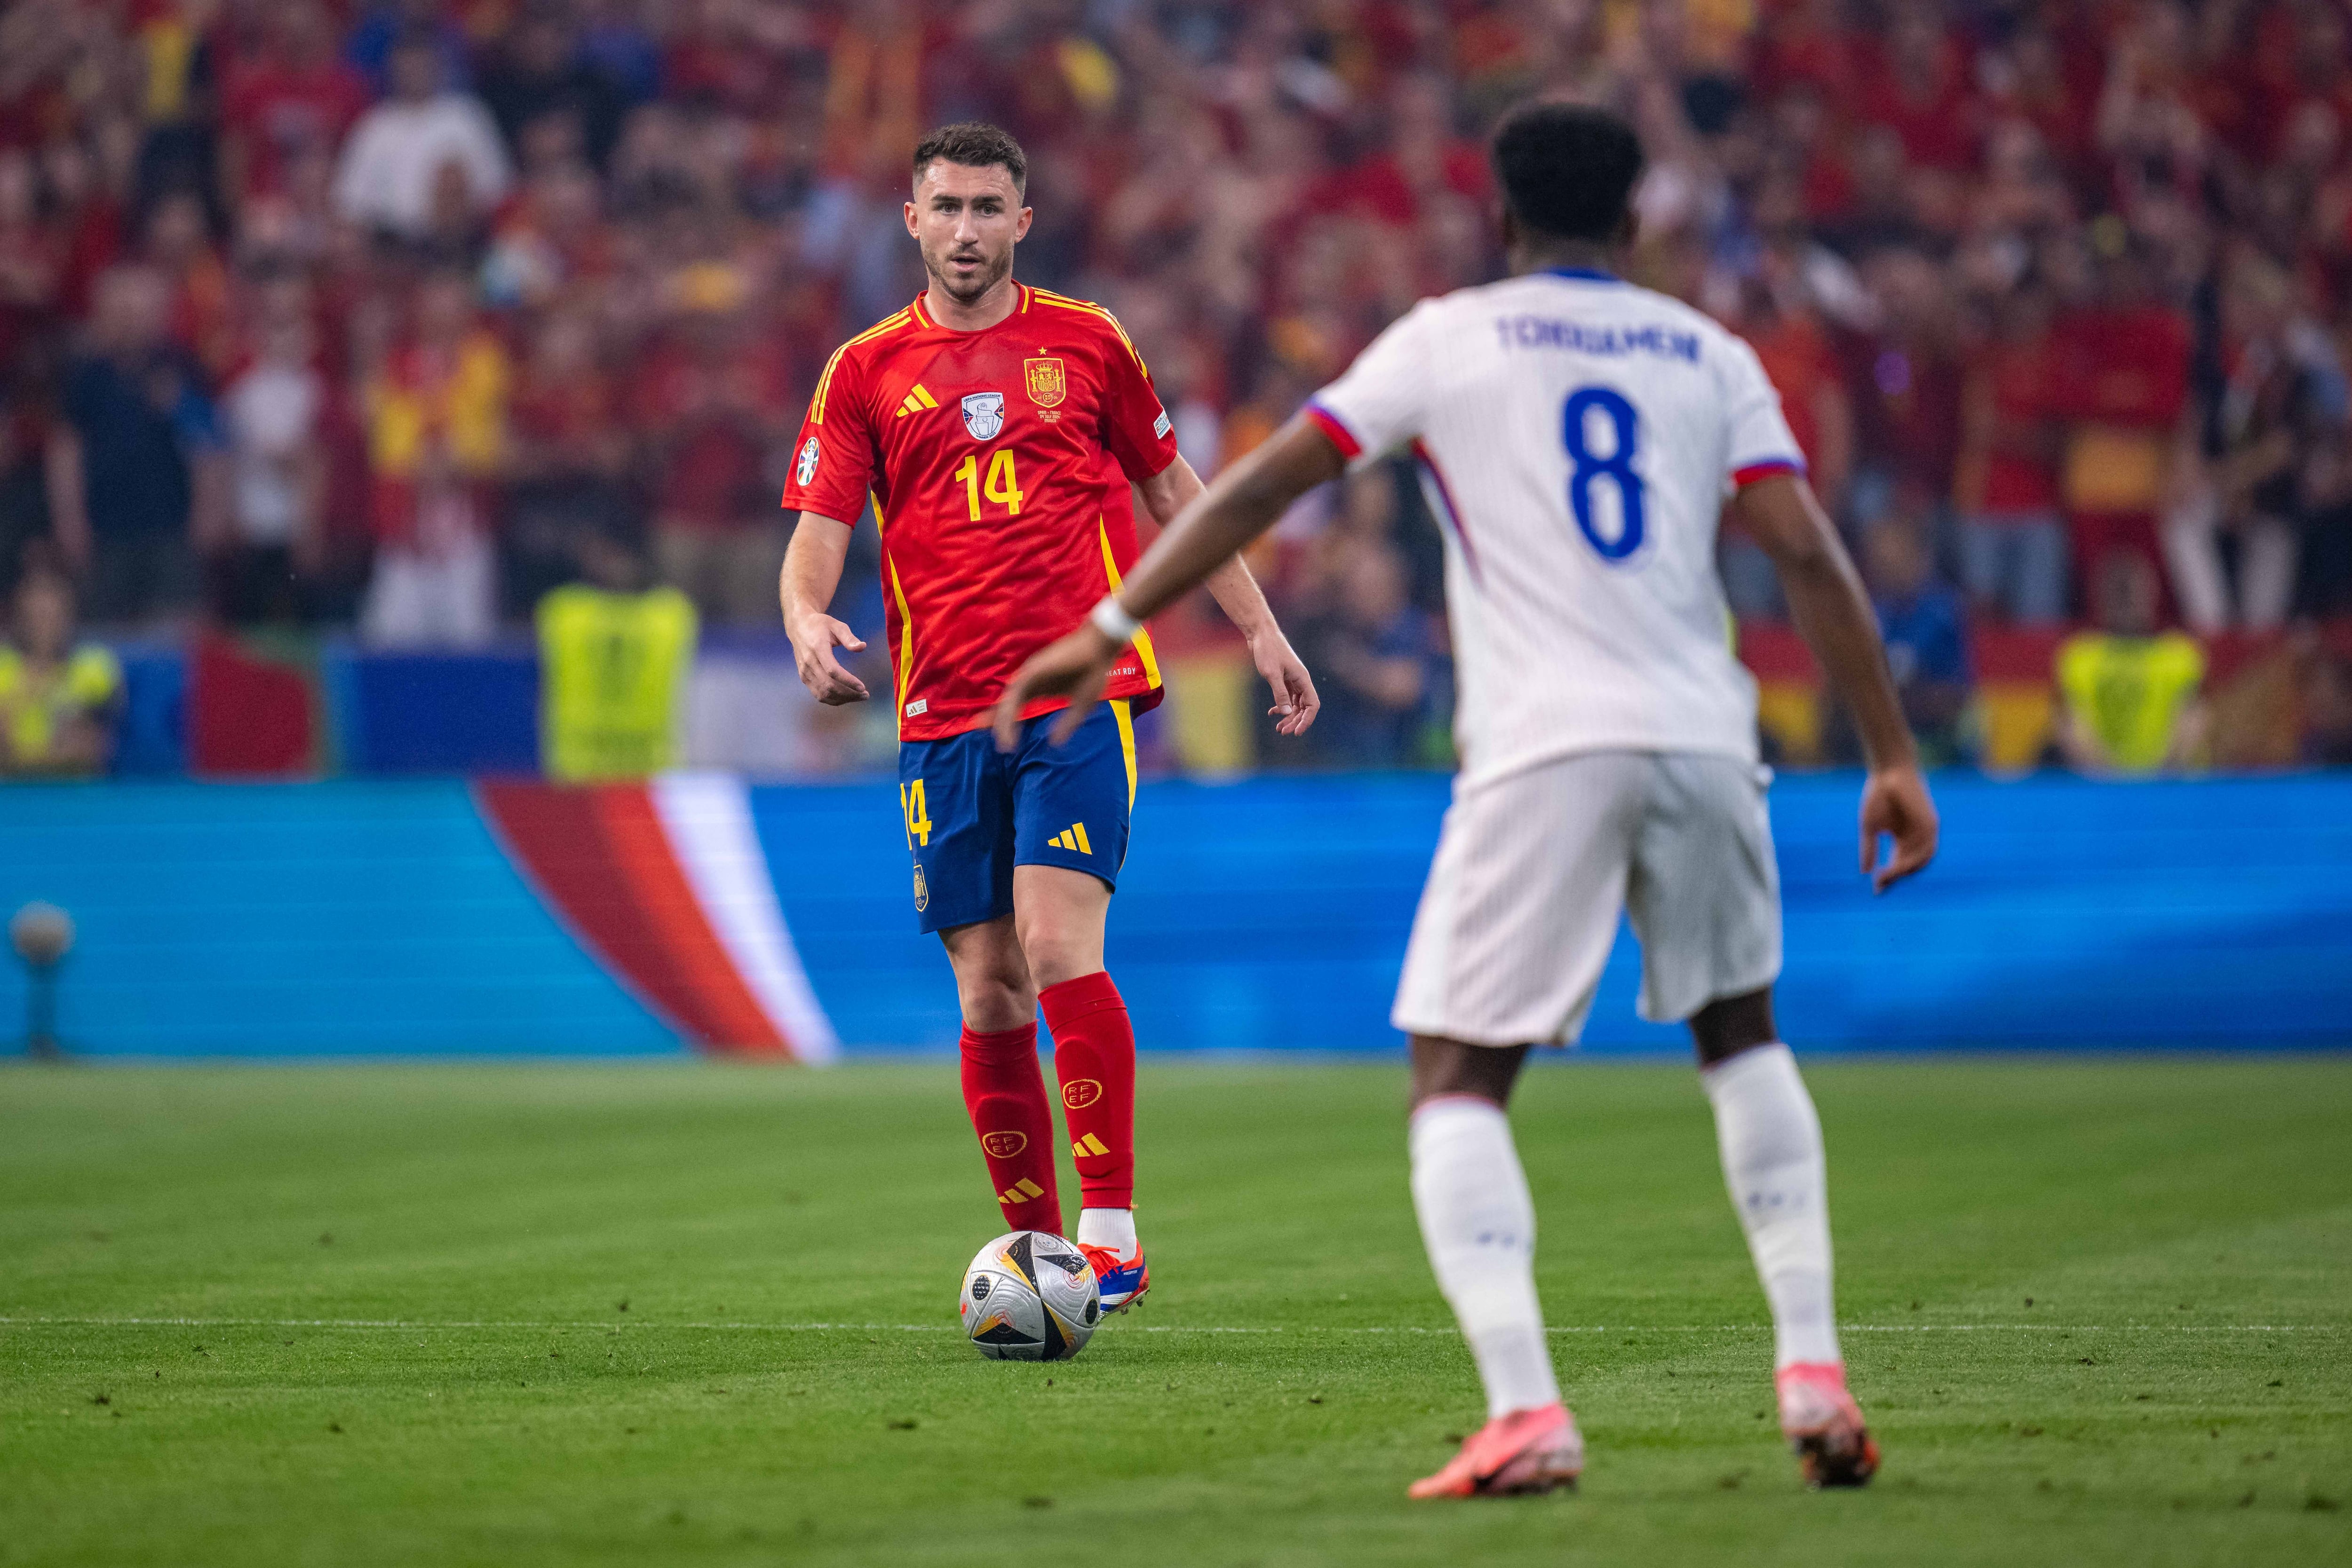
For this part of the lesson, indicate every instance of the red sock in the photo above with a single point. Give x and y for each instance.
(1094, 1056)
(1004, 1091)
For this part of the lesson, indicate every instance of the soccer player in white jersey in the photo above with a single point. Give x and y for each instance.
(1578, 436)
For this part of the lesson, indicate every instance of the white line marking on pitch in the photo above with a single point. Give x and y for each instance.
(615, 1325)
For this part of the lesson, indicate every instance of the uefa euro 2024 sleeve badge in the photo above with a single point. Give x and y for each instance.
(984, 414)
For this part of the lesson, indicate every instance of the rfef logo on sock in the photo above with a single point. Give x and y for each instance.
(1080, 1092)
(1003, 1145)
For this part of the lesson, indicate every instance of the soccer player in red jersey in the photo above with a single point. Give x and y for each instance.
(997, 428)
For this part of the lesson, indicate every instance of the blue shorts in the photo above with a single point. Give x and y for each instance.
(973, 813)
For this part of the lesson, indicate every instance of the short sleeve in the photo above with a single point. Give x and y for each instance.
(1135, 429)
(1379, 402)
(832, 462)
(1760, 443)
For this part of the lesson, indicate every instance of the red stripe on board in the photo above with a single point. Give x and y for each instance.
(731, 1016)
(560, 840)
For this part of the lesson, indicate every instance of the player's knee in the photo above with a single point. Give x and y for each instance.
(1443, 1067)
(992, 1003)
(1057, 956)
(1729, 1025)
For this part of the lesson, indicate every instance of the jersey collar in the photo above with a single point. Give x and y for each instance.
(1020, 290)
(1584, 274)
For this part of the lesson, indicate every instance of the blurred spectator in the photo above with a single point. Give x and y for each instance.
(178, 243)
(614, 656)
(2125, 392)
(31, 261)
(1372, 652)
(712, 401)
(1801, 362)
(437, 440)
(567, 457)
(2277, 415)
(2012, 539)
(138, 466)
(543, 70)
(427, 146)
(272, 416)
(2131, 695)
(287, 100)
(59, 699)
(1926, 632)
(383, 27)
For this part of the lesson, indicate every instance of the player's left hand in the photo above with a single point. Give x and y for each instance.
(1896, 803)
(1078, 666)
(1295, 702)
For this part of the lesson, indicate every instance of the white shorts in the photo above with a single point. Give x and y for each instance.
(1521, 906)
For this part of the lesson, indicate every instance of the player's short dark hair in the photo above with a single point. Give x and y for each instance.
(973, 145)
(1567, 171)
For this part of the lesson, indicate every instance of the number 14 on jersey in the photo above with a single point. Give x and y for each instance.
(1001, 485)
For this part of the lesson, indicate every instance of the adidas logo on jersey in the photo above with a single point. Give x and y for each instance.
(1073, 837)
(917, 401)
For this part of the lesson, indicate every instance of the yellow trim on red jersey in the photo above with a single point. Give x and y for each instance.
(905, 638)
(1142, 638)
(1091, 309)
(825, 381)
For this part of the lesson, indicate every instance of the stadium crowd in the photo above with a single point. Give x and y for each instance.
(320, 313)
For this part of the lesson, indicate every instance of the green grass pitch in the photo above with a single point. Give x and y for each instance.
(2101, 1312)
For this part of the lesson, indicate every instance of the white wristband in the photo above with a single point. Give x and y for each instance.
(1113, 622)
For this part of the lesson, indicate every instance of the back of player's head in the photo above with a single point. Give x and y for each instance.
(1567, 171)
(973, 145)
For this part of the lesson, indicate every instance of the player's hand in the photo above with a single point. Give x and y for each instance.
(1077, 667)
(1295, 702)
(814, 641)
(1895, 805)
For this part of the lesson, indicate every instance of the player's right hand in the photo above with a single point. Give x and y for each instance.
(814, 642)
(1077, 667)
(1896, 804)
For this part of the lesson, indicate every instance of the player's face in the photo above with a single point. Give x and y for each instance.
(967, 222)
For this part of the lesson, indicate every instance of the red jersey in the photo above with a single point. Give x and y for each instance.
(999, 462)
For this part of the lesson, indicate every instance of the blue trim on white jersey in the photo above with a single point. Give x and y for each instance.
(1584, 274)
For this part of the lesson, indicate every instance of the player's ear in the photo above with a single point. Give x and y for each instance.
(911, 229)
(1021, 224)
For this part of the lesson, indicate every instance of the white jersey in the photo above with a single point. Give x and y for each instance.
(1577, 435)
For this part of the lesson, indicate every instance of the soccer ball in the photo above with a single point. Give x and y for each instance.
(1029, 1296)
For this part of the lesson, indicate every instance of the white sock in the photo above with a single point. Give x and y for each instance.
(1479, 1226)
(1111, 1228)
(1772, 1161)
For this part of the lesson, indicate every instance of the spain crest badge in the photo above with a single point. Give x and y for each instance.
(1046, 383)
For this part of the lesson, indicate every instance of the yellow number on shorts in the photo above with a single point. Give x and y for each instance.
(918, 812)
(1002, 485)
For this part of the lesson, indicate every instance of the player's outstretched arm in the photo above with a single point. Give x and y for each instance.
(1240, 504)
(1826, 598)
(812, 571)
(1295, 702)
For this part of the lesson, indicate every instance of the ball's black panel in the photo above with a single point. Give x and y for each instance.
(1019, 1255)
(1005, 1333)
(1057, 1343)
(980, 1286)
